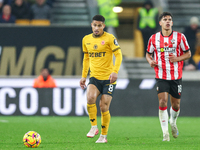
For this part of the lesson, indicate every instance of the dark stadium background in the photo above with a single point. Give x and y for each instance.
(66, 61)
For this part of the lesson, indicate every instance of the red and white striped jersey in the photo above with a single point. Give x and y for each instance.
(162, 46)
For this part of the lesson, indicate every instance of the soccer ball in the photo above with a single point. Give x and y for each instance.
(32, 139)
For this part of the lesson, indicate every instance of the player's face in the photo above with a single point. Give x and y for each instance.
(97, 27)
(166, 23)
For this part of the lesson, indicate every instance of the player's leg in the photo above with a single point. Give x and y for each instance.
(107, 94)
(105, 117)
(174, 113)
(163, 114)
(175, 98)
(163, 88)
(92, 94)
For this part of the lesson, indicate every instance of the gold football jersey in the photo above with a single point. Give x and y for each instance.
(98, 56)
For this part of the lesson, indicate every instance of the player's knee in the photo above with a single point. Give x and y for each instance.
(163, 102)
(104, 107)
(91, 99)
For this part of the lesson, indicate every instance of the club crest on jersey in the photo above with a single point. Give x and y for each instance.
(115, 42)
(172, 41)
(95, 46)
(103, 42)
(166, 49)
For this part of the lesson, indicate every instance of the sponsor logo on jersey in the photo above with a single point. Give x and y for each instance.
(167, 49)
(87, 43)
(97, 54)
(115, 42)
(95, 46)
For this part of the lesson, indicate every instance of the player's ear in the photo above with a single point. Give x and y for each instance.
(160, 23)
(91, 24)
(104, 25)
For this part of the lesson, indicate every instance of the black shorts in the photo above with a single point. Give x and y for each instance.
(104, 86)
(173, 87)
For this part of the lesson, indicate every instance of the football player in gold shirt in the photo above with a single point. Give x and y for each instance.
(98, 49)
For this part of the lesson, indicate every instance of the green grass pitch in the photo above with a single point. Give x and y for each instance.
(69, 133)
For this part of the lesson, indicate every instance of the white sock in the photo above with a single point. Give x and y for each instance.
(94, 126)
(105, 136)
(163, 116)
(173, 115)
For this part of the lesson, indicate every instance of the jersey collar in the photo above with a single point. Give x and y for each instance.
(98, 36)
(166, 36)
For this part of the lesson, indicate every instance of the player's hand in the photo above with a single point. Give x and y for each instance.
(113, 77)
(172, 58)
(82, 83)
(153, 63)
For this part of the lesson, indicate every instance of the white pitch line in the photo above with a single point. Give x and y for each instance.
(4, 121)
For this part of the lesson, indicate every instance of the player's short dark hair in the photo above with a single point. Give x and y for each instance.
(165, 14)
(99, 18)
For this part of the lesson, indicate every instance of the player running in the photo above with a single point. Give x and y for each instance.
(98, 48)
(170, 49)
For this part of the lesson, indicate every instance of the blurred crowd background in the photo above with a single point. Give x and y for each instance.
(131, 21)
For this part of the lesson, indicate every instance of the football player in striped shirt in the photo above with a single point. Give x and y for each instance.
(98, 48)
(169, 49)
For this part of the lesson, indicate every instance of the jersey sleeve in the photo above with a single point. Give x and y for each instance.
(85, 60)
(184, 44)
(117, 52)
(118, 60)
(150, 47)
(114, 44)
(83, 46)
